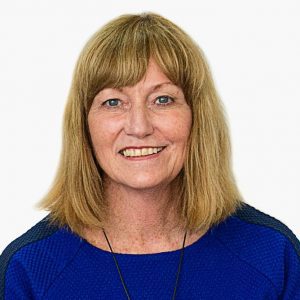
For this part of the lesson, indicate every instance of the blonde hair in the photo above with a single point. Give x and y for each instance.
(116, 56)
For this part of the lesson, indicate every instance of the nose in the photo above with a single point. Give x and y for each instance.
(138, 121)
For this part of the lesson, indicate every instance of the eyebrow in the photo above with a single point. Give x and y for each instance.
(155, 87)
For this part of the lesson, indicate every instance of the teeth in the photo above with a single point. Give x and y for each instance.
(141, 152)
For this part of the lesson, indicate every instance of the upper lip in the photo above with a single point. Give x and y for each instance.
(140, 147)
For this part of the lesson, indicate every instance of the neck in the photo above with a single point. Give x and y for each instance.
(141, 221)
(141, 215)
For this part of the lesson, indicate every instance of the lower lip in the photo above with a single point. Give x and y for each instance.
(145, 157)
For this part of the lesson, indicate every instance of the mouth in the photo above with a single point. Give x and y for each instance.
(140, 154)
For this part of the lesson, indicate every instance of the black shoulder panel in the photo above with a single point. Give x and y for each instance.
(41, 230)
(252, 215)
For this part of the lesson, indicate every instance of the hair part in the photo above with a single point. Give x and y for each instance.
(117, 55)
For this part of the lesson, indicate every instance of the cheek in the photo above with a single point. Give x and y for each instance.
(102, 134)
(178, 125)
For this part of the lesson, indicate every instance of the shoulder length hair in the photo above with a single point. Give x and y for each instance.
(117, 55)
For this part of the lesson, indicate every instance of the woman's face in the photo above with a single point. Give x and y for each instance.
(151, 114)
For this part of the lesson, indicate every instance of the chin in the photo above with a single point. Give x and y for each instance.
(143, 184)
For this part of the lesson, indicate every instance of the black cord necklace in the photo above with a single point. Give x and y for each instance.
(121, 277)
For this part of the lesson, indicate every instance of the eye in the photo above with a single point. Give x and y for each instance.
(163, 100)
(111, 102)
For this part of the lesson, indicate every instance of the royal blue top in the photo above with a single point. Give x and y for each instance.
(250, 255)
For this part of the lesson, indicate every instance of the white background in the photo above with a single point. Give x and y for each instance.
(253, 48)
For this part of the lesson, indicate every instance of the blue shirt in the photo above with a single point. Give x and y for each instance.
(250, 255)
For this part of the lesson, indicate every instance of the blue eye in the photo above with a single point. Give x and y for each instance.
(163, 100)
(112, 102)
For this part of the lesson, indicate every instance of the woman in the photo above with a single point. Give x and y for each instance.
(144, 203)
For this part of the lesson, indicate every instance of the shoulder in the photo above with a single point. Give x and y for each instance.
(253, 225)
(265, 244)
(35, 259)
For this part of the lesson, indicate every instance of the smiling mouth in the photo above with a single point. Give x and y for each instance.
(139, 153)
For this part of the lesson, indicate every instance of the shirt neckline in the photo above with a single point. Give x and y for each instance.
(200, 242)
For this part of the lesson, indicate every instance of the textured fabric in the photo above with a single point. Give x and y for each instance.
(250, 255)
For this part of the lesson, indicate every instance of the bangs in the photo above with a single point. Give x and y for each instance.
(118, 55)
